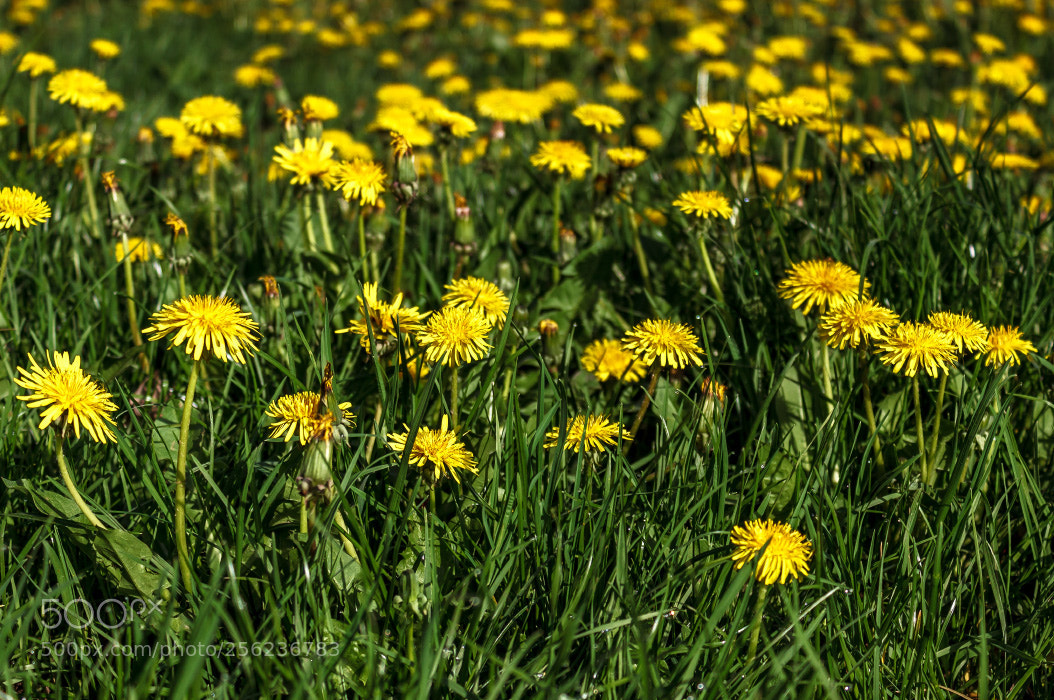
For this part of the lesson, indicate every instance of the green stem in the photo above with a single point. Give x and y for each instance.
(7, 253)
(349, 548)
(213, 236)
(182, 283)
(303, 517)
(642, 260)
(710, 275)
(828, 392)
(181, 481)
(32, 114)
(64, 471)
(448, 186)
(453, 398)
(323, 220)
(306, 228)
(869, 409)
(377, 413)
(400, 250)
(556, 230)
(926, 476)
(755, 626)
(644, 404)
(89, 181)
(935, 438)
(129, 290)
(362, 244)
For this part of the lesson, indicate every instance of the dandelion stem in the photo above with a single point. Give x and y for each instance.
(828, 392)
(303, 516)
(926, 475)
(935, 438)
(377, 413)
(60, 457)
(448, 186)
(556, 230)
(323, 220)
(710, 275)
(181, 480)
(755, 626)
(400, 251)
(362, 243)
(213, 239)
(306, 229)
(869, 410)
(89, 181)
(638, 249)
(7, 253)
(644, 404)
(453, 397)
(32, 133)
(349, 548)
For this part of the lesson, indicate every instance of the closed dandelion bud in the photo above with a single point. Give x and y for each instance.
(568, 245)
(316, 476)
(404, 185)
(182, 253)
(272, 300)
(506, 280)
(464, 230)
(120, 214)
(712, 406)
(548, 328)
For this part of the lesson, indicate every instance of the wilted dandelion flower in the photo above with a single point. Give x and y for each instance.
(211, 117)
(562, 157)
(704, 204)
(966, 333)
(295, 414)
(606, 359)
(455, 334)
(206, 323)
(359, 179)
(911, 345)
(383, 320)
(473, 292)
(1004, 345)
(601, 118)
(310, 161)
(856, 322)
(786, 551)
(592, 433)
(671, 344)
(20, 208)
(437, 453)
(825, 284)
(141, 250)
(68, 396)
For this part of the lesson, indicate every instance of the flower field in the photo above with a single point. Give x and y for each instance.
(488, 350)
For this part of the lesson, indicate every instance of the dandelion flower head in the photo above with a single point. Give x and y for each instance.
(454, 335)
(588, 433)
(20, 208)
(438, 453)
(966, 333)
(606, 359)
(825, 284)
(911, 345)
(206, 323)
(704, 204)
(565, 157)
(857, 322)
(786, 551)
(1004, 345)
(479, 293)
(211, 117)
(671, 344)
(68, 396)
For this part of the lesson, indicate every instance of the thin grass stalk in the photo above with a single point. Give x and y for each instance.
(926, 476)
(453, 397)
(935, 438)
(645, 403)
(7, 253)
(349, 548)
(638, 249)
(710, 275)
(448, 186)
(371, 441)
(60, 457)
(555, 243)
(84, 151)
(32, 133)
(400, 251)
(362, 244)
(869, 411)
(828, 391)
(213, 212)
(323, 222)
(181, 480)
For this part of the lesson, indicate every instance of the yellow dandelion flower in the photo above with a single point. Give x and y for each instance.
(600, 117)
(1004, 345)
(455, 334)
(671, 344)
(458, 125)
(627, 157)
(622, 92)
(105, 49)
(251, 75)
(560, 91)
(346, 146)
(473, 292)
(359, 179)
(592, 433)
(789, 110)
(966, 333)
(606, 359)
(704, 204)
(437, 453)
(318, 109)
(68, 396)
(36, 64)
(825, 284)
(20, 208)
(562, 157)
(268, 54)
(647, 136)
(213, 324)
(911, 345)
(76, 87)
(211, 116)
(507, 105)
(310, 161)
(295, 414)
(721, 120)
(456, 85)
(383, 320)
(142, 250)
(784, 551)
(855, 322)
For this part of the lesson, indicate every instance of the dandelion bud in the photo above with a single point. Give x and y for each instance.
(548, 327)
(568, 245)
